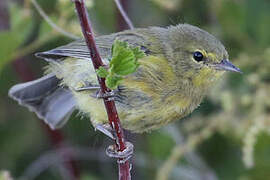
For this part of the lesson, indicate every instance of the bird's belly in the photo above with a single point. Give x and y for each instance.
(154, 115)
(138, 113)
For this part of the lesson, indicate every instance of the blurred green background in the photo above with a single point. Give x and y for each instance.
(226, 138)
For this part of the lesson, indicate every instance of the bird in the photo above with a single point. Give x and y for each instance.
(181, 64)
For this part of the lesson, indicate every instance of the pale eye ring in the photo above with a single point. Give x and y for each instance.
(197, 56)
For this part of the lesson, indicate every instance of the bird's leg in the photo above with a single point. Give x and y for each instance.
(87, 88)
(112, 150)
(98, 94)
(122, 156)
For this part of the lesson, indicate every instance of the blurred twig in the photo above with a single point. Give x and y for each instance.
(191, 157)
(193, 140)
(50, 22)
(124, 14)
(56, 157)
(33, 45)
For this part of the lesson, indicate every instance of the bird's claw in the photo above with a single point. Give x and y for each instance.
(122, 156)
(109, 95)
(87, 88)
(106, 129)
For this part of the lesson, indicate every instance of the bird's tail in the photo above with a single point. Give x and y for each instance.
(44, 96)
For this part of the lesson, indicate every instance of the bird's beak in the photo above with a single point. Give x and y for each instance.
(226, 65)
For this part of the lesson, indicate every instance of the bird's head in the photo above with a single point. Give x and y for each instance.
(197, 55)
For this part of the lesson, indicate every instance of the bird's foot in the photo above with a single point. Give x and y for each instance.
(122, 156)
(100, 95)
(112, 151)
(86, 86)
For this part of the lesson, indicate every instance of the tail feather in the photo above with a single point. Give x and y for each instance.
(43, 96)
(56, 108)
(35, 90)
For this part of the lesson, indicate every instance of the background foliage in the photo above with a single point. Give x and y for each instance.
(226, 138)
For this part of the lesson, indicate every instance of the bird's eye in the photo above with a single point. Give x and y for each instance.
(198, 56)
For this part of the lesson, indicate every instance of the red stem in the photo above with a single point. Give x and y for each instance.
(124, 168)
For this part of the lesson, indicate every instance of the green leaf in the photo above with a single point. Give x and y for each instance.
(138, 53)
(118, 44)
(113, 81)
(102, 72)
(124, 59)
(124, 62)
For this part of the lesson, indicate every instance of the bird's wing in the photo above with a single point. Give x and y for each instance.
(78, 49)
(75, 55)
